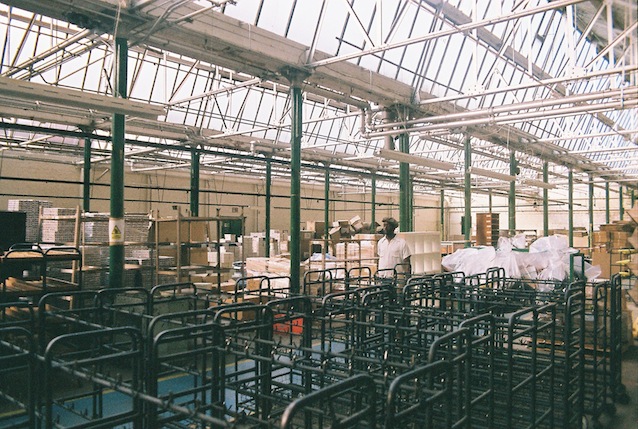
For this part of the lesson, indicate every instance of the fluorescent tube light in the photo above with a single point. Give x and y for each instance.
(78, 99)
(492, 174)
(413, 159)
(539, 183)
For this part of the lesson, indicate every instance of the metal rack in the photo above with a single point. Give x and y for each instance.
(446, 351)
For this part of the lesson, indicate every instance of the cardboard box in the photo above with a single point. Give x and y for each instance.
(198, 256)
(198, 231)
(356, 223)
(601, 238)
(619, 225)
(335, 232)
(608, 262)
(226, 259)
(319, 228)
(620, 239)
(167, 231)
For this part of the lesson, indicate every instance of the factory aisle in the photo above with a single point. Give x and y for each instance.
(626, 415)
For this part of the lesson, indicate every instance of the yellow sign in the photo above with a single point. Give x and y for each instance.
(116, 231)
(116, 234)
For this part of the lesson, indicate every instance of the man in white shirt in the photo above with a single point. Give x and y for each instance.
(392, 250)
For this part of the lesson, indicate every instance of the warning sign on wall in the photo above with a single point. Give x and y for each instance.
(116, 231)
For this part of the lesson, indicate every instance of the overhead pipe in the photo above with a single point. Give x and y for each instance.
(531, 85)
(589, 108)
(580, 98)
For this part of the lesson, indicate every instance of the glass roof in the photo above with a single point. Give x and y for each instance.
(552, 81)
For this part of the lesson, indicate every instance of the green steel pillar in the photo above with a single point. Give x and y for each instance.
(545, 200)
(267, 203)
(116, 218)
(295, 186)
(404, 185)
(633, 198)
(326, 200)
(86, 186)
(607, 214)
(511, 204)
(489, 200)
(591, 210)
(373, 201)
(571, 207)
(621, 207)
(195, 156)
(411, 203)
(467, 221)
(442, 214)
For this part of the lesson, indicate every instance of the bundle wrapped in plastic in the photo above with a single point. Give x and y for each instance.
(471, 260)
(548, 259)
(505, 258)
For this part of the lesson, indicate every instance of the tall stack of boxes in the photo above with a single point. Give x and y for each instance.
(616, 251)
(611, 245)
(32, 209)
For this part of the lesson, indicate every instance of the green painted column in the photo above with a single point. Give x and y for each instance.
(571, 207)
(511, 203)
(467, 224)
(267, 202)
(404, 185)
(411, 203)
(591, 210)
(116, 217)
(633, 198)
(607, 209)
(295, 187)
(489, 200)
(326, 200)
(373, 201)
(195, 157)
(621, 207)
(442, 214)
(545, 200)
(86, 186)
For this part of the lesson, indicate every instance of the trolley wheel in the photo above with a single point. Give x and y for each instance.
(609, 409)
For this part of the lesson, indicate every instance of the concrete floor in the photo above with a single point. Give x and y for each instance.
(626, 414)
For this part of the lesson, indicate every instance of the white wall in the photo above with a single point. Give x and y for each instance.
(232, 193)
(529, 216)
(160, 190)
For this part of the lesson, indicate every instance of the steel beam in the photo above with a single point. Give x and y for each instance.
(545, 200)
(467, 221)
(607, 210)
(86, 187)
(267, 203)
(326, 200)
(116, 219)
(591, 211)
(570, 215)
(194, 200)
(404, 185)
(295, 185)
(511, 203)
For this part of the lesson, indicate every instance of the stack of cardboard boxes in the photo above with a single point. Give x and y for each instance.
(613, 246)
(616, 251)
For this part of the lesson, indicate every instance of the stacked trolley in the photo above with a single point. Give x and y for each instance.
(444, 351)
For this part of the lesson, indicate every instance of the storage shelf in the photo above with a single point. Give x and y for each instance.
(425, 249)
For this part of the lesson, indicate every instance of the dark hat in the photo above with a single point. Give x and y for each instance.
(390, 221)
